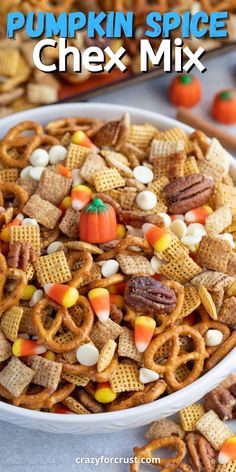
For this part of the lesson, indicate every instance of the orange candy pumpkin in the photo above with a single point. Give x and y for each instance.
(224, 107)
(98, 222)
(185, 91)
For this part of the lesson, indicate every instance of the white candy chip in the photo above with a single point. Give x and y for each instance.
(39, 158)
(146, 200)
(147, 375)
(143, 174)
(179, 228)
(76, 177)
(36, 172)
(25, 173)
(134, 231)
(166, 218)
(196, 229)
(213, 337)
(109, 268)
(57, 154)
(29, 222)
(54, 247)
(87, 354)
(38, 295)
(156, 264)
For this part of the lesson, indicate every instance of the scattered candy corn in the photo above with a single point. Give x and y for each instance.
(81, 195)
(28, 292)
(228, 451)
(157, 237)
(117, 300)
(117, 289)
(64, 171)
(104, 393)
(61, 409)
(100, 301)
(65, 204)
(5, 233)
(26, 347)
(79, 137)
(143, 332)
(49, 355)
(63, 294)
(198, 215)
(121, 231)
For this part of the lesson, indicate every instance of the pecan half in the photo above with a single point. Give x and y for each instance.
(201, 453)
(221, 401)
(187, 193)
(147, 295)
(20, 255)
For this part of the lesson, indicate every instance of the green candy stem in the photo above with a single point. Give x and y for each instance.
(186, 79)
(226, 95)
(96, 206)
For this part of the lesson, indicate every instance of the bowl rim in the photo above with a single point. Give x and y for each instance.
(165, 402)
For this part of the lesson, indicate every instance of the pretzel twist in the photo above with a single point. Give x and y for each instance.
(14, 189)
(13, 139)
(7, 302)
(91, 372)
(150, 393)
(167, 464)
(86, 262)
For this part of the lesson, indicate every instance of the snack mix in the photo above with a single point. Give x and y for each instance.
(201, 438)
(117, 264)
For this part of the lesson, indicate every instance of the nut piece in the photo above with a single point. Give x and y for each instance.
(221, 401)
(147, 295)
(187, 193)
(162, 428)
(20, 255)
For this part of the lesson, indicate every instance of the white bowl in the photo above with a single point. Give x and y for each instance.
(141, 415)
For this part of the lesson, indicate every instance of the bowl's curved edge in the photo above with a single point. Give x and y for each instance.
(141, 415)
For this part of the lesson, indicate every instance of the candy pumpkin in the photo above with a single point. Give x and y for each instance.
(98, 222)
(224, 107)
(185, 91)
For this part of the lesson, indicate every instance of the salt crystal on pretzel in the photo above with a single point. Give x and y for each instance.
(190, 415)
(213, 429)
(16, 376)
(5, 348)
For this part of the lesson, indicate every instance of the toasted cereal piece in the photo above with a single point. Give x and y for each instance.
(231, 267)
(26, 233)
(230, 467)
(127, 198)
(181, 270)
(190, 415)
(106, 355)
(127, 347)
(172, 134)
(9, 175)
(43, 211)
(40, 94)
(9, 61)
(213, 253)
(76, 155)
(16, 376)
(29, 185)
(212, 280)
(174, 251)
(78, 380)
(107, 134)
(218, 298)
(52, 268)
(191, 300)
(225, 194)
(126, 379)
(190, 166)
(10, 322)
(75, 406)
(26, 324)
(217, 154)
(227, 312)
(95, 274)
(30, 272)
(53, 187)
(162, 428)
(83, 246)
(47, 373)
(7, 216)
(171, 166)
(141, 135)
(120, 157)
(131, 265)
(92, 164)
(218, 221)
(102, 332)
(5, 348)
(213, 429)
(160, 148)
(207, 302)
(69, 223)
(108, 179)
(89, 402)
(113, 160)
(211, 169)
(70, 357)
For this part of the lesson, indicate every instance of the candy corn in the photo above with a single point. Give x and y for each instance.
(61, 409)
(25, 347)
(100, 301)
(49, 355)
(79, 137)
(28, 292)
(117, 289)
(157, 237)
(63, 294)
(121, 231)
(5, 233)
(104, 393)
(65, 204)
(143, 332)
(228, 451)
(117, 300)
(81, 195)
(64, 171)
(198, 215)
